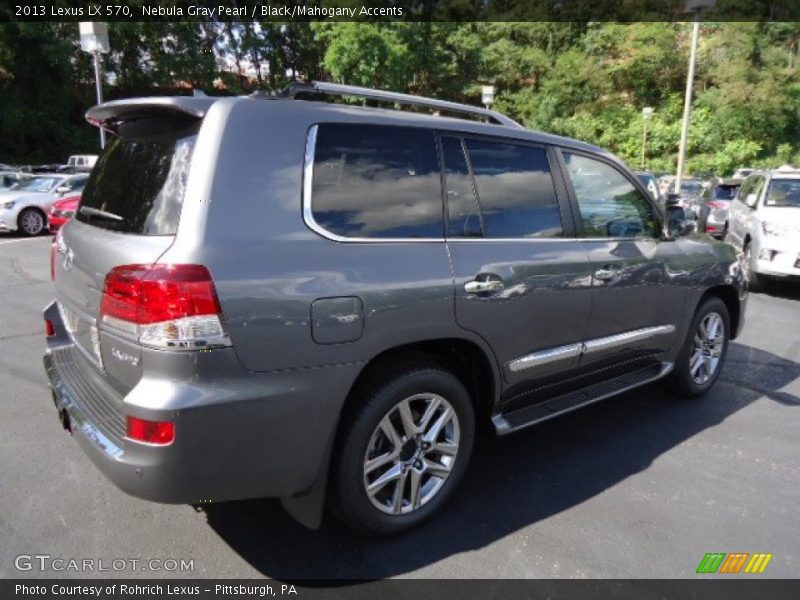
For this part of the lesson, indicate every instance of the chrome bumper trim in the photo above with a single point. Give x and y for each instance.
(66, 401)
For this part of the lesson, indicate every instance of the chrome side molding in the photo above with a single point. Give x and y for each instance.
(621, 339)
(543, 357)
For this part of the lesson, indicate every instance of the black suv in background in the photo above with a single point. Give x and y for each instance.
(271, 296)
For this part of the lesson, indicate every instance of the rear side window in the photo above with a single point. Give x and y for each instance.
(140, 180)
(372, 181)
(516, 197)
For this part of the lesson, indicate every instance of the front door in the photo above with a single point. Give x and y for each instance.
(638, 295)
(520, 281)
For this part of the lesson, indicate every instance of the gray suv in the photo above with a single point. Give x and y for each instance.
(277, 296)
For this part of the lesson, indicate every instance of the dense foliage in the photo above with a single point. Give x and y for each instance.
(585, 80)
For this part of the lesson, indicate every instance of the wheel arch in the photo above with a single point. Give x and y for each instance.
(730, 297)
(471, 362)
(466, 359)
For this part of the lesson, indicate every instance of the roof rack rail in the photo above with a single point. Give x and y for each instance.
(336, 89)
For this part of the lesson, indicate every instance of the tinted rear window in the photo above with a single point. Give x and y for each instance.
(515, 190)
(377, 181)
(141, 178)
(725, 192)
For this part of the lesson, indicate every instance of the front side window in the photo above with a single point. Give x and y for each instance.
(372, 181)
(610, 205)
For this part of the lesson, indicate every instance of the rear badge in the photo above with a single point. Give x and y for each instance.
(125, 357)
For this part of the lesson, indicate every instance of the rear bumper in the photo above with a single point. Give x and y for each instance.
(238, 435)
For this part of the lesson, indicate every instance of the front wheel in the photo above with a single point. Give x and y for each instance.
(31, 222)
(405, 451)
(702, 355)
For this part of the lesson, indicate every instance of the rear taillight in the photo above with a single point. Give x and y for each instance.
(150, 432)
(718, 204)
(165, 306)
(49, 328)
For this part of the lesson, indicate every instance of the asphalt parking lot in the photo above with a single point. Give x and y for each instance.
(642, 485)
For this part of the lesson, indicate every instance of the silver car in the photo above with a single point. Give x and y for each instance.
(25, 207)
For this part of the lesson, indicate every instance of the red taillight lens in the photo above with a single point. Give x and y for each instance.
(49, 328)
(718, 204)
(150, 432)
(144, 294)
(711, 227)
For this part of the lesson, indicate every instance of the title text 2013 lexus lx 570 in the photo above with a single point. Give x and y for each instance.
(285, 297)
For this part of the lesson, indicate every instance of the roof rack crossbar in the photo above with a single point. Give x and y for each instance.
(336, 89)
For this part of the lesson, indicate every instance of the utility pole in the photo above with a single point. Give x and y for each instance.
(94, 40)
(647, 114)
(695, 7)
(687, 105)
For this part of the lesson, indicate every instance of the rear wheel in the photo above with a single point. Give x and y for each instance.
(700, 360)
(31, 222)
(405, 452)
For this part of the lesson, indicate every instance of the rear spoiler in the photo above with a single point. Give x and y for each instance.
(110, 115)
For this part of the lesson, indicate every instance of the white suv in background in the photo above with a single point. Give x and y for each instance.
(765, 224)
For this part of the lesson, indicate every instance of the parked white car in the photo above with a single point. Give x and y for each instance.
(25, 208)
(764, 223)
(83, 162)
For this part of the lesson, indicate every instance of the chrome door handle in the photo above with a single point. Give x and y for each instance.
(482, 287)
(605, 274)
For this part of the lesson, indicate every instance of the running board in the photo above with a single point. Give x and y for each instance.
(536, 413)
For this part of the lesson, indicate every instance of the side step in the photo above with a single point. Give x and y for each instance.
(536, 413)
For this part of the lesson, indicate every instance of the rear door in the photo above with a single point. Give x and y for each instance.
(128, 214)
(637, 292)
(520, 282)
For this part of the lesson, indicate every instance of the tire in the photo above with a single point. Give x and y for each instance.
(755, 282)
(689, 378)
(366, 453)
(31, 222)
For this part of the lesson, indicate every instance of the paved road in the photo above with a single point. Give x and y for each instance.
(642, 485)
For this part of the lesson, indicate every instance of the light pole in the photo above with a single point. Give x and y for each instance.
(487, 95)
(94, 40)
(696, 7)
(647, 114)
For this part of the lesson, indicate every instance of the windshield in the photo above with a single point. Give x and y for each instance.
(725, 192)
(38, 184)
(783, 192)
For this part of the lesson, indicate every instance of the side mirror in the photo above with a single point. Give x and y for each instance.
(676, 224)
(751, 200)
(61, 190)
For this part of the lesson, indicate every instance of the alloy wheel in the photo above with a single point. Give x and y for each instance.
(411, 453)
(31, 222)
(708, 343)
